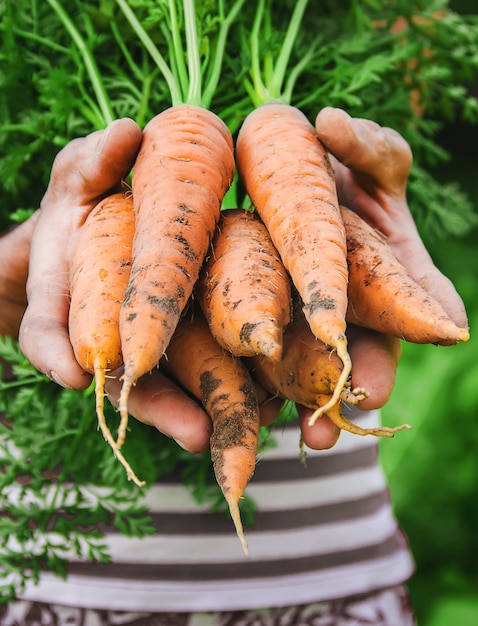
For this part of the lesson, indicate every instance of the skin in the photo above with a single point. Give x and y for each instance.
(83, 172)
(90, 167)
(14, 254)
(371, 166)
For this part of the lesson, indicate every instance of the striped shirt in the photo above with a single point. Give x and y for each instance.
(324, 530)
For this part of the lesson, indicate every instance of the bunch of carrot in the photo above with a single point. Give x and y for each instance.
(212, 296)
(221, 299)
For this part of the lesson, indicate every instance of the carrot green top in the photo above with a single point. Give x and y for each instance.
(271, 79)
(192, 77)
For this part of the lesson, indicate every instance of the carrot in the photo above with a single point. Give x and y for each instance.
(223, 385)
(184, 168)
(289, 179)
(307, 369)
(243, 289)
(99, 272)
(384, 296)
(308, 374)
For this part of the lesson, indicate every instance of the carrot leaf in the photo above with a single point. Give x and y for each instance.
(89, 62)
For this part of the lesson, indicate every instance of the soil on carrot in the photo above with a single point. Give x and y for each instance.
(317, 301)
(228, 433)
(328, 166)
(246, 332)
(209, 384)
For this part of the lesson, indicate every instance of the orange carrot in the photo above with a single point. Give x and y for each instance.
(289, 179)
(243, 289)
(382, 294)
(223, 385)
(99, 273)
(308, 374)
(184, 168)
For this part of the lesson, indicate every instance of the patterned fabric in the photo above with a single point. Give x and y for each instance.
(325, 529)
(384, 608)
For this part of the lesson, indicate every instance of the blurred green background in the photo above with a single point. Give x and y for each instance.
(433, 469)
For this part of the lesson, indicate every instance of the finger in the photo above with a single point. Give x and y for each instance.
(158, 402)
(269, 410)
(378, 154)
(14, 254)
(85, 170)
(375, 358)
(322, 435)
(90, 167)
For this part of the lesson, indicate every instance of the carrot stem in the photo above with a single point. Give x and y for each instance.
(175, 91)
(89, 61)
(177, 48)
(194, 65)
(280, 68)
(268, 82)
(212, 80)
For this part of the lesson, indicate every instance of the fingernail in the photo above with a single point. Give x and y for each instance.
(181, 444)
(59, 381)
(102, 139)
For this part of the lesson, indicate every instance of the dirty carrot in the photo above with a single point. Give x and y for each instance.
(244, 290)
(308, 374)
(288, 176)
(99, 273)
(384, 296)
(223, 385)
(184, 168)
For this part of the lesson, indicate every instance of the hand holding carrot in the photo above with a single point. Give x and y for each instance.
(371, 165)
(83, 172)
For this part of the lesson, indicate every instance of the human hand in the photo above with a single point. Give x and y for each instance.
(86, 170)
(14, 253)
(83, 172)
(371, 165)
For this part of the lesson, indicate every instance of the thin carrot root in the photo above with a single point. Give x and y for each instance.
(234, 460)
(127, 384)
(100, 378)
(341, 385)
(236, 518)
(354, 396)
(335, 414)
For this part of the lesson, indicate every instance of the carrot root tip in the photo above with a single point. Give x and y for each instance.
(123, 410)
(336, 416)
(100, 374)
(236, 518)
(354, 396)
